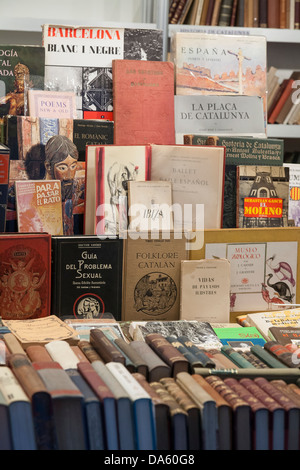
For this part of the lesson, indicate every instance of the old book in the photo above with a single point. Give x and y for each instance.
(282, 318)
(287, 374)
(39, 206)
(193, 360)
(38, 353)
(67, 402)
(281, 353)
(209, 13)
(225, 13)
(240, 338)
(150, 205)
(236, 357)
(267, 357)
(61, 352)
(141, 405)
(94, 74)
(125, 429)
(273, 14)
(161, 414)
(25, 270)
(263, 13)
(294, 187)
(86, 277)
(194, 425)
(89, 351)
(185, 167)
(12, 344)
(284, 112)
(251, 289)
(220, 360)
(197, 350)
(22, 68)
(225, 414)
(106, 349)
(170, 355)
(108, 170)
(216, 13)
(40, 398)
(207, 406)
(5, 430)
(285, 92)
(297, 15)
(157, 368)
(19, 410)
(79, 354)
(180, 6)
(192, 13)
(138, 362)
(285, 335)
(52, 104)
(205, 290)
(4, 184)
(112, 336)
(151, 275)
(262, 196)
(141, 91)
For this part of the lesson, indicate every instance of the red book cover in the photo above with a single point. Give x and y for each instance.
(285, 94)
(143, 95)
(25, 264)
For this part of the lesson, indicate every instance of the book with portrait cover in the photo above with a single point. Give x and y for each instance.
(39, 206)
(22, 68)
(25, 275)
(86, 277)
(143, 95)
(79, 59)
(262, 196)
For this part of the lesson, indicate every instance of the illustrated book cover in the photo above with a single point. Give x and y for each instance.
(4, 183)
(52, 104)
(197, 177)
(22, 68)
(86, 277)
(143, 96)
(262, 196)
(39, 206)
(294, 192)
(264, 320)
(108, 170)
(79, 59)
(151, 276)
(264, 266)
(25, 273)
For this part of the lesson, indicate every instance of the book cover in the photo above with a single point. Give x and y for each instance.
(262, 196)
(52, 104)
(86, 277)
(294, 192)
(79, 59)
(143, 96)
(39, 206)
(4, 184)
(151, 276)
(149, 205)
(218, 64)
(263, 321)
(168, 353)
(25, 271)
(105, 347)
(264, 266)
(157, 368)
(108, 170)
(22, 67)
(197, 177)
(240, 338)
(205, 290)
(285, 335)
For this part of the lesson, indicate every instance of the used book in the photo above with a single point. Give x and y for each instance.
(263, 321)
(52, 104)
(79, 59)
(4, 183)
(294, 193)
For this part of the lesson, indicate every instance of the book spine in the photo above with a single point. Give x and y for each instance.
(210, 12)
(166, 351)
(263, 13)
(239, 360)
(225, 13)
(172, 9)
(178, 12)
(178, 393)
(191, 358)
(233, 19)
(204, 12)
(280, 103)
(280, 352)
(255, 361)
(216, 13)
(282, 14)
(267, 358)
(240, 13)
(250, 14)
(256, 13)
(288, 374)
(297, 15)
(273, 13)
(108, 352)
(226, 392)
(89, 351)
(200, 355)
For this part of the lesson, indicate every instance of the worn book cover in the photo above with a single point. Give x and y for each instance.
(25, 276)
(52, 104)
(151, 276)
(265, 320)
(108, 170)
(150, 205)
(264, 266)
(197, 177)
(86, 277)
(79, 59)
(285, 335)
(4, 182)
(39, 206)
(22, 67)
(205, 290)
(143, 95)
(219, 64)
(262, 196)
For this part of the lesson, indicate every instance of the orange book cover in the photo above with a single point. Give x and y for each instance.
(280, 103)
(143, 94)
(25, 275)
(39, 206)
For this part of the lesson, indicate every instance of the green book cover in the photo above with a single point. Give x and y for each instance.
(244, 337)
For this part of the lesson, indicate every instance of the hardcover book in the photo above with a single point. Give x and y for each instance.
(143, 97)
(39, 206)
(218, 64)
(105, 348)
(168, 353)
(80, 58)
(25, 272)
(205, 290)
(22, 67)
(264, 266)
(262, 196)
(157, 368)
(151, 276)
(285, 335)
(4, 184)
(197, 177)
(86, 277)
(240, 338)
(108, 170)
(52, 104)
(294, 193)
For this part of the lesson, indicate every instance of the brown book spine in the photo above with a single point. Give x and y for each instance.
(233, 18)
(283, 387)
(157, 368)
(220, 401)
(137, 360)
(282, 14)
(280, 103)
(168, 353)
(280, 352)
(167, 398)
(255, 13)
(263, 13)
(273, 13)
(245, 394)
(89, 351)
(226, 392)
(250, 15)
(210, 11)
(178, 12)
(221, 361)
(94, 380)
(204, 12)
(216, 13)
(26, 374)
(225, 13)
(178, 394)
(12, 344)
(79, 354)
(107, 350)
(38, 353)
(297, 14)
(146, 386)
(264, 397)
(172, 9)
(275, 393)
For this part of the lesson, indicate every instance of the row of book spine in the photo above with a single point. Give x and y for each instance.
(283, 102)
(283, 14)
(86, 397)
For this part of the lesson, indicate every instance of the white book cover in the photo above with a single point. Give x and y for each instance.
(61, 352)
(10, 387)
(128, 382)
(282, 318)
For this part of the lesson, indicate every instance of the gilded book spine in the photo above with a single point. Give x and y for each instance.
(106, 349)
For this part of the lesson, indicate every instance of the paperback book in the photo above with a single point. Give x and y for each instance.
(52, 104)
(294, 192)
(4, 180)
